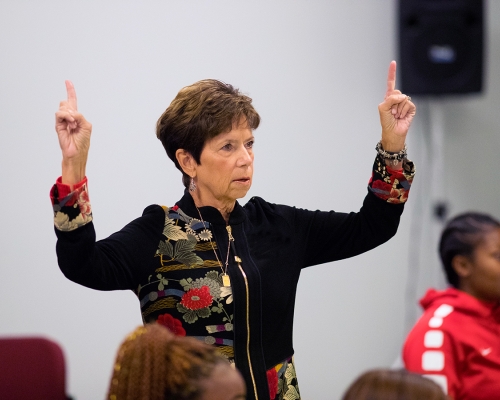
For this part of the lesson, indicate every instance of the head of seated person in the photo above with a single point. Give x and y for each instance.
(386, 384)
(470, 253)
(152, 363)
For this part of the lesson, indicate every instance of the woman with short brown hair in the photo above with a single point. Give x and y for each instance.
(207, 267)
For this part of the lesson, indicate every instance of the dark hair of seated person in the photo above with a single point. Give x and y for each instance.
(460, 237)
(386, 384)
(152, 363)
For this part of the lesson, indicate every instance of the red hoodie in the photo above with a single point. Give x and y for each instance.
(456, 343)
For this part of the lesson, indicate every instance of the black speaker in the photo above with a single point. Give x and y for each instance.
(441, 46)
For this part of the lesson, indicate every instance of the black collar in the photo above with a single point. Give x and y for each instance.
(210, 214)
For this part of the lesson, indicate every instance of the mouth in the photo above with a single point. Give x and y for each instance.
(242, 180)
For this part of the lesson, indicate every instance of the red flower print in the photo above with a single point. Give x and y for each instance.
(84, 203)
(172, 324)
(398, 196)
(197, 298)
(175, 208)
(382, 186)
(395, 193)
(84, 196)
(272, 382)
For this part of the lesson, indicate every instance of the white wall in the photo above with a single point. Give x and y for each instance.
(316, 71)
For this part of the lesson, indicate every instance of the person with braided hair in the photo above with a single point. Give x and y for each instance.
(154, 364)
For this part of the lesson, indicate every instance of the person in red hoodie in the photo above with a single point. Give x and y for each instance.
(456, 342)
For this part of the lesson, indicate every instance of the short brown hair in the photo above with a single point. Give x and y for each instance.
(200, 112)
(386, 384)
(152, 363)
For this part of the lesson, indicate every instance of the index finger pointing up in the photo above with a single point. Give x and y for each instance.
(71, 95)
(391, 78)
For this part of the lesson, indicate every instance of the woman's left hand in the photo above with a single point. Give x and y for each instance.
(396, 113)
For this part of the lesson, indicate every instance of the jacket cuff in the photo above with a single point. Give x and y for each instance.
(391, 185)
(71, 208)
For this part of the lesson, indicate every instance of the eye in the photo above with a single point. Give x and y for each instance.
(227, 147)
(249, 144)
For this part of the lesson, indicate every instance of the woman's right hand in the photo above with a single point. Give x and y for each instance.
(73, 131)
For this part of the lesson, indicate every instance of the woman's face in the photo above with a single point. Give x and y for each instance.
(484, 278)
(226, 167)
(225, 383)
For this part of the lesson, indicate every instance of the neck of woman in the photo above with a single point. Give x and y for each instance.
(467, 287)
(225, 207)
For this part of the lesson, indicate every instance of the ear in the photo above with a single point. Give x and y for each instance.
(462, 266)
(186, 161)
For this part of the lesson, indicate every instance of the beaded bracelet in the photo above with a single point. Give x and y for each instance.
(393, 157)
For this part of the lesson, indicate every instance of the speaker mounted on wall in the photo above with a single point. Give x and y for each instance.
(441, 46)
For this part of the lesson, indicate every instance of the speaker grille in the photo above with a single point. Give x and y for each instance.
(441, 46)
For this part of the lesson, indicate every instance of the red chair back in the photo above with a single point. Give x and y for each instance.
(31, 368)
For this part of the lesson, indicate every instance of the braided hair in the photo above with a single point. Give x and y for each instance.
(154, 364)
(460, 237)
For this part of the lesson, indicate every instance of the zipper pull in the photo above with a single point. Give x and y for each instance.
(229, 233)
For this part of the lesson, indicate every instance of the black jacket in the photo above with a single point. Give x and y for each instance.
(274, 243)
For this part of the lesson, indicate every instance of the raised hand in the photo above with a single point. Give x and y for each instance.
(396, 114)
(73, 131)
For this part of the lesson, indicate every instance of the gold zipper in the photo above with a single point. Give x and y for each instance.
(230, 233)
(238, 261)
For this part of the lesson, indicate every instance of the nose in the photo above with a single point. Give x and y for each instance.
(245, 157)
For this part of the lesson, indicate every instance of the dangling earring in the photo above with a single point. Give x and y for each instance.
(192, 185)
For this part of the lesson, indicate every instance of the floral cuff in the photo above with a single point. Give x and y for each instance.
(71, 207)
(391, 185)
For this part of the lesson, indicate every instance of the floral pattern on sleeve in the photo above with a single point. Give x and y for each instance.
(282, 381)
(71, 208)
(391, 185)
